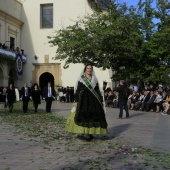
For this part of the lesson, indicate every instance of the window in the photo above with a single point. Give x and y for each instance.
(46, 15)
(12, 43)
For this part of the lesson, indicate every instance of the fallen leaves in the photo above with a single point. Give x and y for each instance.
(48, 129)
(41, 126)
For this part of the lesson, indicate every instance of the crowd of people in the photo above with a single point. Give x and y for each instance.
(65, 94)
(87, 116)
(11, 48)
(149, 99)
(9, 95)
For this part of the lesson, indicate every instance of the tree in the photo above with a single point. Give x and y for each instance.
(107, 40)
(159, 44)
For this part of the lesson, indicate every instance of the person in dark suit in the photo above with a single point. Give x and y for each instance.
(109, 99)
(124, 92)
(71, 94)
(11, 97)
(36, 94)
(25, 95)
(68, 94)
(49, 94)
(145, 100)
(150, 103)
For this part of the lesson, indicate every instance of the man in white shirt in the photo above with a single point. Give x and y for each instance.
(49, 94)
(25, 95)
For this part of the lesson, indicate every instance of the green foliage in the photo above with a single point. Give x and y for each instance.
(122, 36)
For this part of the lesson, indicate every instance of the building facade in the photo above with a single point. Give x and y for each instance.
(10, 38)
(37, 20)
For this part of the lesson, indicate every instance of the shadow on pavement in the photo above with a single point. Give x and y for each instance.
(137, 114)
(117, 130)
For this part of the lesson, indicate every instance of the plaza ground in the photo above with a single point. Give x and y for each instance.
(116, 151)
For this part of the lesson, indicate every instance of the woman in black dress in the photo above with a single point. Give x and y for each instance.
(11, 97)
(36, 94)
(89, 116)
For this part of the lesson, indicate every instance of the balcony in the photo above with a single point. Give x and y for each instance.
(11, 54)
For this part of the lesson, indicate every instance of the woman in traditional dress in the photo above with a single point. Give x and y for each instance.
(89, 115)
(36, 94)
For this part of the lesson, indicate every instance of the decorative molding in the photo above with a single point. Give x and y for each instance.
(10, 19)
(46, 58)
(20, 1)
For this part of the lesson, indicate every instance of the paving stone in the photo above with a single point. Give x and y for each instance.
(146, 129)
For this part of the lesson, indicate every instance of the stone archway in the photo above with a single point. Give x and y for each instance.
(50, 68)
(44, 79)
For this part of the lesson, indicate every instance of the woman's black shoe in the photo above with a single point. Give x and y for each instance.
(89, 138)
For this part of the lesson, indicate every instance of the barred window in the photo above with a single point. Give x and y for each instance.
(46, 15)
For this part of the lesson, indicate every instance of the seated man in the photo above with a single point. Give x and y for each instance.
(145, 100)
(157, 102)
(133, 98)
(109, 99)
(138, 103)
(115, 100)
(150, 103)
(166, 102)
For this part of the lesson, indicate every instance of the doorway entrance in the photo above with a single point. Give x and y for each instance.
(44, 79)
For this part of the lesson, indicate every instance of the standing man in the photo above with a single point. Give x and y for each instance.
(124, 92)
(71, 94)
(49, 94)
(25, 95)
(11, 97)
(68, 94)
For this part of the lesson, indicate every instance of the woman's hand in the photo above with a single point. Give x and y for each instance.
(75, 104)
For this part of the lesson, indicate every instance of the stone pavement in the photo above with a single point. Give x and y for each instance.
(147, 129)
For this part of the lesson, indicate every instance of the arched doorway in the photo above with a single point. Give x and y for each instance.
(12, 77)
(41, 68)
(44, 79)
